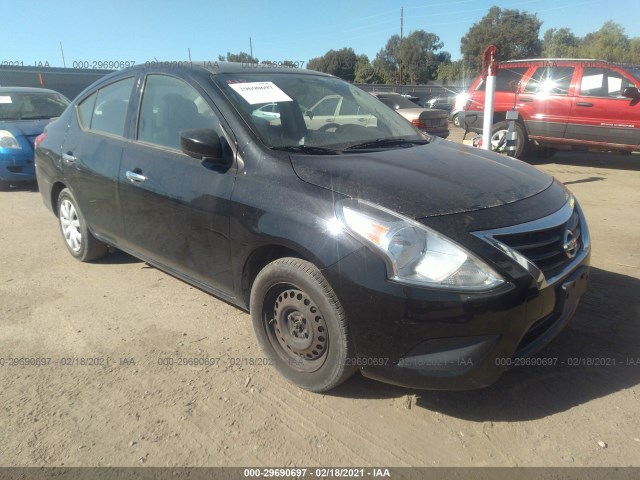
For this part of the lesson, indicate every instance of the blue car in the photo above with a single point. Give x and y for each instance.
(24, 112)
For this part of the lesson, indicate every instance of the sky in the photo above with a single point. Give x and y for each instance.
(143, 31)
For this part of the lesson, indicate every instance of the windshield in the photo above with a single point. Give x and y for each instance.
(312, 113)
(635, 71)
(31, 106)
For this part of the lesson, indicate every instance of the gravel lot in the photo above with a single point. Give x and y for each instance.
(131, 411)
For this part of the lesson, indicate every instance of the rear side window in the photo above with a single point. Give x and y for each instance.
(550, 80)
(106, 110)
(507, 79)
(603, 82)
(326, 107)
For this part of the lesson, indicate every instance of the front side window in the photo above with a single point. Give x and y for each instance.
(169, 106)
(507, 79)
(603, 82)
(550, 80)
(106, 110)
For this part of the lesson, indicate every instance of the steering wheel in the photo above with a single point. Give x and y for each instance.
(329, 126)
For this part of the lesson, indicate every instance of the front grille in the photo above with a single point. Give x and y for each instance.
(546, 248)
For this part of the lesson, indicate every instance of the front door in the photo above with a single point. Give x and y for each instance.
(175, 207)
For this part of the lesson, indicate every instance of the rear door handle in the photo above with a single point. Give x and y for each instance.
(68, 158)
(584, 104)
(135, 177)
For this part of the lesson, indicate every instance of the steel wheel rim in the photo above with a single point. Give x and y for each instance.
(296, 328)
(70, 224)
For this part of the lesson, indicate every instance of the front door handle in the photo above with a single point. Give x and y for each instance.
(526, 99)
(135, 177)
(584, 104)
(68, 158)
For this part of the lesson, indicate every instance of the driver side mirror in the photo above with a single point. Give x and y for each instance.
(204, 144)
(632, 93)
(309, 113)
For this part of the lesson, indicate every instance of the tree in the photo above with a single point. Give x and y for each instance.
(561, 43)
(242, 57)
(419, 54)
(515, 33)
(366, 72)
(609, 43)
(341, 63)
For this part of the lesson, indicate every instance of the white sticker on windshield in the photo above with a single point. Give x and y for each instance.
(5, 99)
(260, 92)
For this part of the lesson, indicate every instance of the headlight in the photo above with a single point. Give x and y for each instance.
(7, 140)
(414, 253)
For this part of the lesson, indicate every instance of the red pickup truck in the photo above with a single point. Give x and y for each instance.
(562, 104)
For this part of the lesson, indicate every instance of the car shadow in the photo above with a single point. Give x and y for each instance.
(117, 257)
(24, 187)
(605, 330)
(616, 161)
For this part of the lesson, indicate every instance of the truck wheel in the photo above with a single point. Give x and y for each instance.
(499, 134)
(301, 326)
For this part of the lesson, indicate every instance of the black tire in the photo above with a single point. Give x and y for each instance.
(456, 120)
(301, 325)
(77, 237)
(4, 186)
(521, 138)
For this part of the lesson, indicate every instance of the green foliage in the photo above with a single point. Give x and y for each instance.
(242, 57)
(341, 63)
(515, 33)
(418, 54)
(609, 43)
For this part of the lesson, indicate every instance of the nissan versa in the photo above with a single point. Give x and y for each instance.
(356, 242)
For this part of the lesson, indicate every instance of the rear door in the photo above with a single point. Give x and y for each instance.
(600, 114)
(545, 102)
(91, 156)
(175, 207)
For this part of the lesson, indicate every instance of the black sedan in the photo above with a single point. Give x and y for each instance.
(358, 243)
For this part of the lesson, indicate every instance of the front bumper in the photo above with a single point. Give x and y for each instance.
(16, 166)
(435, 339)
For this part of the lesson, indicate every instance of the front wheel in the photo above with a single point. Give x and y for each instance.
(499, 138)
(77, 237)
(456, 120)
(301, 325)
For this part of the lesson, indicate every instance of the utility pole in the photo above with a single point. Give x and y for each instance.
(250, 49)
(64, 64)
(401, 53)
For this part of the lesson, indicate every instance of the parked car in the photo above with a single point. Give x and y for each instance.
(442, 102)
(23, 114)
(431, 121)
(377, 248)
(563, 104)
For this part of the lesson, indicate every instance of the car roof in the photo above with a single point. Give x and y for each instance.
(216, 67)
(26, 90)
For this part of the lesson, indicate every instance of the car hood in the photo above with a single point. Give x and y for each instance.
(26, 128)
(428, 180)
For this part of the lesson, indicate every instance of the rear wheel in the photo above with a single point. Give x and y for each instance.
(300, 325)
(456, 120)
(77, 237)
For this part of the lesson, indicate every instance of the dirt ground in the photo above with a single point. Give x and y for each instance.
(133, 411)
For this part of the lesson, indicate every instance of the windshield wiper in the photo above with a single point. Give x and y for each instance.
(308, 149)
(387, 142)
